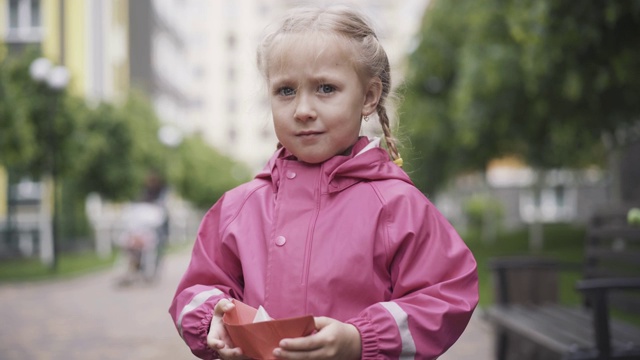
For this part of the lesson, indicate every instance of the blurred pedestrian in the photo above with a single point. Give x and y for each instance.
(139, 243)
(145, 234)
(332, 226)
(155, 192)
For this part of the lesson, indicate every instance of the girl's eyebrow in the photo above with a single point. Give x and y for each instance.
(280, 81)
(280, 76)
(326, 78)
(320, 78)
(335, 83)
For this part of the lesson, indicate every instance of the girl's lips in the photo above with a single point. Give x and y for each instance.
(308, 133)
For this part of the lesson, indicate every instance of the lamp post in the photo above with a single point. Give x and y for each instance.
(170, 136)
(56, 77)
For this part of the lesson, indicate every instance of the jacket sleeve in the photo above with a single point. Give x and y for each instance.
(434, 286)
(213, 273)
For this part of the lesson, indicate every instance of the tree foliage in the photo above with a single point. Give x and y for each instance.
(107, 149)
(111, 155)
(542, 80)
(18, 134)
(201, 174)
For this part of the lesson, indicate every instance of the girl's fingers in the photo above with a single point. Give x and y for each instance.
(215, 343)
(223, 306)
(231, 353)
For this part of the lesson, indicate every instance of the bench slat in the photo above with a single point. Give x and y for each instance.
(609, 232)
(624, 335)
(560, 329)
(542, 330)
(606, 253)
(578, 324)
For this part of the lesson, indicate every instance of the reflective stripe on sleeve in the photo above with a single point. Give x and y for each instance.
(408, 345)
(195, 302)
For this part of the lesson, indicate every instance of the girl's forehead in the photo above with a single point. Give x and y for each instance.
(289, 48)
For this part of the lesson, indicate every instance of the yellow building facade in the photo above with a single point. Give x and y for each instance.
(88, 37)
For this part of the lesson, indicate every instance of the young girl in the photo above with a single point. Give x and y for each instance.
(332, 226)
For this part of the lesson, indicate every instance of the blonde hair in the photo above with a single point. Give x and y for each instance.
(371, 60)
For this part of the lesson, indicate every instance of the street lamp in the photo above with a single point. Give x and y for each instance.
(170, 136)
(56, 77)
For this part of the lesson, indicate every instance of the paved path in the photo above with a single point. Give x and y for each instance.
(476, 343)
(88, 318)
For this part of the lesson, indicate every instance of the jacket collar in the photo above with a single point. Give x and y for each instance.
(366, 162)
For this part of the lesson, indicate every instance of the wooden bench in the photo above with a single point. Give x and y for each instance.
(531, 324)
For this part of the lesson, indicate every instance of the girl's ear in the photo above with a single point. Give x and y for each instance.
(372, 96)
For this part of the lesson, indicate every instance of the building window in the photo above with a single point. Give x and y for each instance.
(35, 14)
(25, 21)
(560, 195)
(232, 105)
(233, 134)
(550, 204)
(231, 41)
(14, 14)
(231, 74)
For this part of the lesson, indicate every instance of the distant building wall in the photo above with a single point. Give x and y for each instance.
(566, 196)
(140, 27)
(630, 173)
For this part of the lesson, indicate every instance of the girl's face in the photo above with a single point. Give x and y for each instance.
(317, 97)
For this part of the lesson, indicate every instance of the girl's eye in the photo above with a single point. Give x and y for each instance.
(286, 91)
(326, 89)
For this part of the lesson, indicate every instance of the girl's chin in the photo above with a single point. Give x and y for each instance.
(312, 158)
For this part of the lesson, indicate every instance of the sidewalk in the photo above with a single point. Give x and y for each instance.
(476, 343)
(88, 318)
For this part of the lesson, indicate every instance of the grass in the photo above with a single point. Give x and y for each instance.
(561, 241)
(69, 265)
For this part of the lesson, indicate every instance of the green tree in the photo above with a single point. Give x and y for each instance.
(16, 134)
(33, 122)
(201, 174)
(108, 149)
(116, 148)
(544, 80)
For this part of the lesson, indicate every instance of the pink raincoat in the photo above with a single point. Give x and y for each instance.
(351, 238)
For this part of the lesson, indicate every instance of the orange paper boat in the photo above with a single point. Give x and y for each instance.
(257, 340)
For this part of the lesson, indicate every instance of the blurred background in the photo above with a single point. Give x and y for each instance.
(519, 119)
(167, 89)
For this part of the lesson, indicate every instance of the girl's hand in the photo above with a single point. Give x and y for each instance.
(334, 340)
(218, 339)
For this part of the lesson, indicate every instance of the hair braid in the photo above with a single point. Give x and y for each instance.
(386, 130)
(384, 74)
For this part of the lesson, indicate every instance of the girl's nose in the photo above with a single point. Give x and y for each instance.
(304, 108)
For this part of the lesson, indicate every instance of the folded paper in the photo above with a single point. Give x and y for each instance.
(261, 315)
(258, 339)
